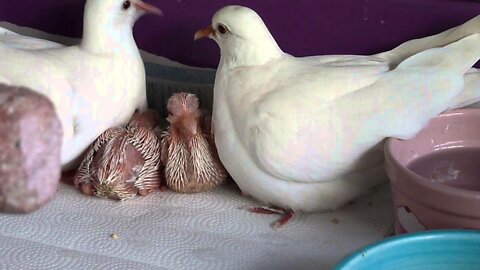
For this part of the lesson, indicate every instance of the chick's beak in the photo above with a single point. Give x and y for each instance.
(190, 125)
(203, 33)
(147, 8)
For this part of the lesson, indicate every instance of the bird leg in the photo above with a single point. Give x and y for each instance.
(285, 215)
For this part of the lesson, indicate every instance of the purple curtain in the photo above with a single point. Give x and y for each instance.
(301, 27)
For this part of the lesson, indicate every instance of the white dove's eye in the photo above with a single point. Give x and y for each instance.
(222, 29)
(126, 4)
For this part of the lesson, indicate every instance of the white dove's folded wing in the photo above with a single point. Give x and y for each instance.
(398, 105)
(44, 73)
(310, 130)
(14, 40)
(34, 69)
(317, 141)
(346, 60)
(415, 46)
(287, 112)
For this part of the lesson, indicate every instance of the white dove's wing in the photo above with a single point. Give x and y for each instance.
(40, 70)
(297, 134)
(14, 40)
(45, 73)
(304, 140)
(4, 80)
(285, 108)
(414, 46)
(346, 60)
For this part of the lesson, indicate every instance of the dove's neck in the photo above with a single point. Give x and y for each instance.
(105, 39)
(251, 54)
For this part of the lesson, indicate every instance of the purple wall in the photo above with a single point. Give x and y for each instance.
(301, 27)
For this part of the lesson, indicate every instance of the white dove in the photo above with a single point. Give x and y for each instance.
(95, 85)
(306, 134)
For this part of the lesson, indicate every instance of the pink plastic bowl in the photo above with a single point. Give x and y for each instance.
(421, 203)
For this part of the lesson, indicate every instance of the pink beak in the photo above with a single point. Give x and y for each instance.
(204, 33)
(140, 5)
(190, 125)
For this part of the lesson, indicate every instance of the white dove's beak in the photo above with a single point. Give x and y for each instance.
(204, 33)
(142, 6)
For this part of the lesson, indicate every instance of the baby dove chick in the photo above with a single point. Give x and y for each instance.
(191, 162)
(123, 162)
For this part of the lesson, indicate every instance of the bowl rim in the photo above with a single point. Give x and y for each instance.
(353, 259)
(444, 190)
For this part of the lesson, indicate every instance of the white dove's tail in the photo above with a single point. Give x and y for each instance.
(412, 47)
(457, 57)
(470, 97)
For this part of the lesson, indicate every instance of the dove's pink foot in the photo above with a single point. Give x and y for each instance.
(285, 215)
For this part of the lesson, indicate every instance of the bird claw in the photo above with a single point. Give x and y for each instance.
(285, 215)
(266, 210)
(284, 219)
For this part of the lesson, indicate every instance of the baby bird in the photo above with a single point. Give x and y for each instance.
(123, 162)
(191, 162)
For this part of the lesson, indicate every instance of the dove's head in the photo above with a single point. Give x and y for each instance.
(117, 12)
(242, 35)
(107, 21)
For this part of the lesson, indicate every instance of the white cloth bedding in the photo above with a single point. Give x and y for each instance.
(167, 230)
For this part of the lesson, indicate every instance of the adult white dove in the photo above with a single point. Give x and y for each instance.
(94, 85)
(306, 134)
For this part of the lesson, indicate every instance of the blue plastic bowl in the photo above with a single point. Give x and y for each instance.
(438, 249)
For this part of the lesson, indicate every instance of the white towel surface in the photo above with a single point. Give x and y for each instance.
(167, 230)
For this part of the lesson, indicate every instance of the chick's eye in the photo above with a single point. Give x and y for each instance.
(222, 29)
(126, 4)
